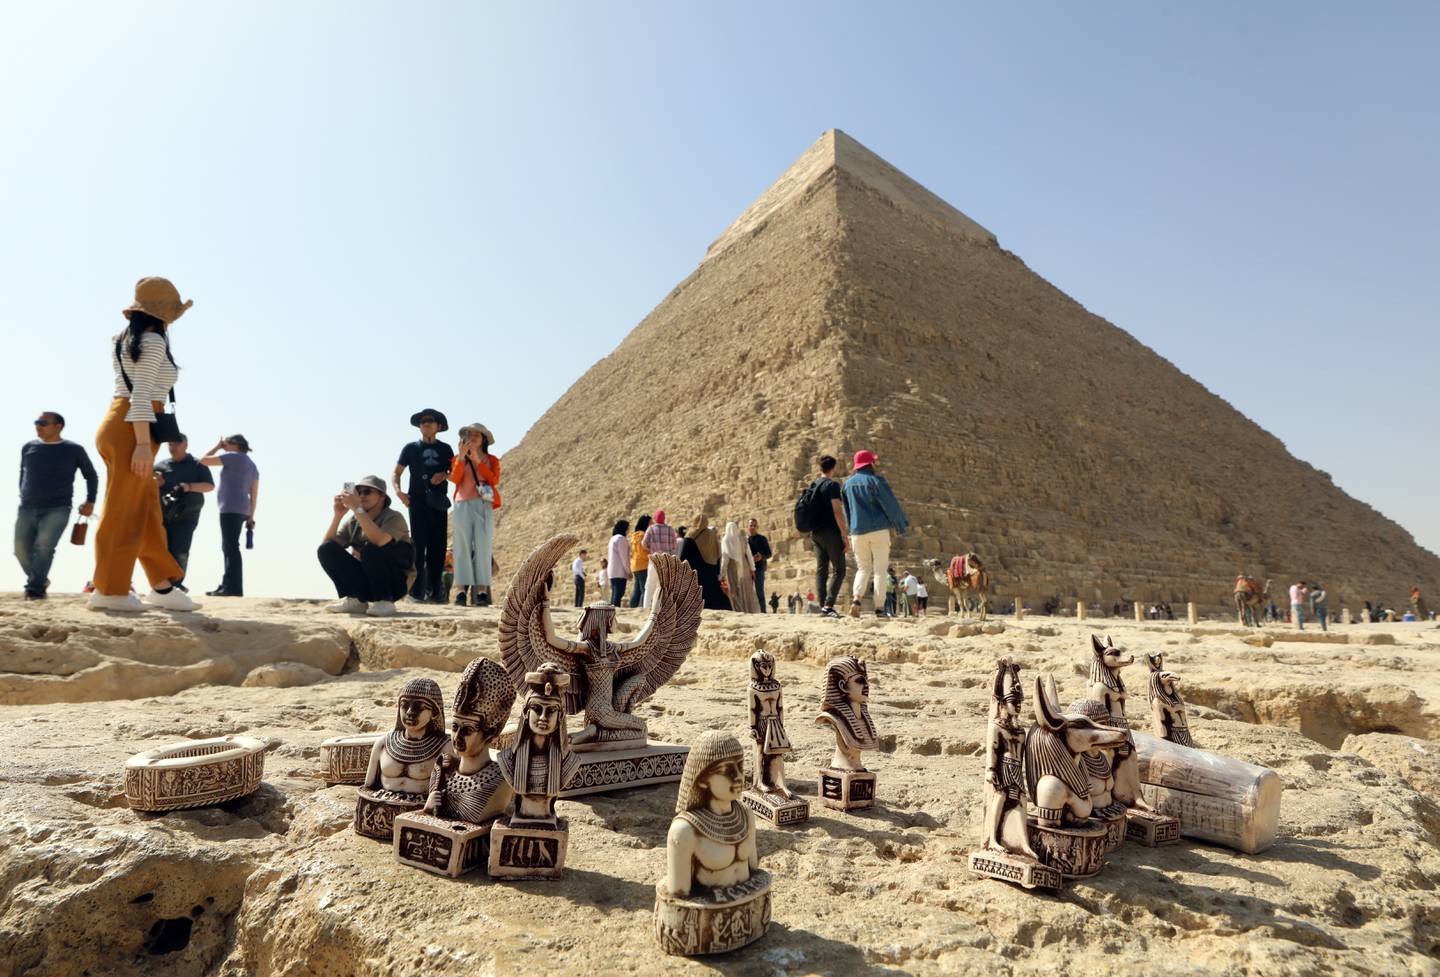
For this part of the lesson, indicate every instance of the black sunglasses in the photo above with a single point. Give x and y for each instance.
(365, 490)
(41, 422)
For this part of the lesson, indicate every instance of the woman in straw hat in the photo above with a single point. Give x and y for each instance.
(131, 525)
(476, 474)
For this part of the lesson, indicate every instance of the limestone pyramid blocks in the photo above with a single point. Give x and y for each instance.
(195, 773)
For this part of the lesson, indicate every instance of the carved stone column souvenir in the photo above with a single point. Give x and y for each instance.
(1062, 831)
(1005, 851)
(401, 762)
(844, 702)
(467, 792)
(530, 843)
(1168, 716)
(194, 773)
(609, 678)
(767, 794)
(1217, 798)
(344, 759)
(714, 896)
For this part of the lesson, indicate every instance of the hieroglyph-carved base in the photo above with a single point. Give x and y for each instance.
(344, 759)
(1217, 798)
(524, 850)
(775, 808)
(846, 790)
(1150, 829)
(1076, 852)
(375, 811)
(1113, 817)
(440, 846)
(1015, 868)
(606, 770)
(715, 920)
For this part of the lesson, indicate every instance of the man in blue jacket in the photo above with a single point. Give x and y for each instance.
(872, 512)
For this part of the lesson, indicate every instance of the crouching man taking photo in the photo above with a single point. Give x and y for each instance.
(367, 554)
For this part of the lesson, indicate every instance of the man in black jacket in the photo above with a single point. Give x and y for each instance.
(828, 537)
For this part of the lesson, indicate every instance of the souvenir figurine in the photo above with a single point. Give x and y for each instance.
(844, 702)
(767, 794)
(401, 763)
(467, 791)
(530, 843)
(1006, 852)
(1168, 716)
(714, 895)
(195, 773)
(608, 678)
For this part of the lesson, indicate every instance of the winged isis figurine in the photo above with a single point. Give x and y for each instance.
(609, 678)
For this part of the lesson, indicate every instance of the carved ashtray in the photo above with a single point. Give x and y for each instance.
(195, 773)
(344, 759)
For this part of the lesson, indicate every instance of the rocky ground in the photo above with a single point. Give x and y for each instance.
(277, 883)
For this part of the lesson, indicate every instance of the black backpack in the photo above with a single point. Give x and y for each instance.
(810, 508)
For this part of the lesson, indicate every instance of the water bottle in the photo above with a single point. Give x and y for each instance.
(249, 538)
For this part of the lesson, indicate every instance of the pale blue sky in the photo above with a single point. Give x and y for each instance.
(381, 207)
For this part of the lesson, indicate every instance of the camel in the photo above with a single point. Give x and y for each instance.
(971, 583)
(1250, 602)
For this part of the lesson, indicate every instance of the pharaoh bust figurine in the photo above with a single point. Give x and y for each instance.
(844, 705)
(401, 762)
(714, 896)
(1168, 715)
(468, 786)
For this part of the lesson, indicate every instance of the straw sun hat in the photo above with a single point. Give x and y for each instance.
(158, 297)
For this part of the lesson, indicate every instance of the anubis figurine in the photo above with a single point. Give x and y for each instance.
(1169, 717)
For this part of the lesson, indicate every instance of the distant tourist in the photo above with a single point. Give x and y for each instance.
(826, 516)
(476, 474)
(701, 549)
(1319, 605)
(774, 603)
(639, 560)
(367, 556)
(619, 565)
(760, 553)
(873, 513)
(1417, 604)
(48, 466)
(737, 569)
(429, 463)
(238, 495)
(892, 590)
(578, 569)
(922, 596)
(602, 577)
(447, 576)
(1299, 593)
(911, 588)
(659, 538)
(183, 484)
(131, 526)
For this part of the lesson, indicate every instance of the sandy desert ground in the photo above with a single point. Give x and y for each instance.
(277, 884)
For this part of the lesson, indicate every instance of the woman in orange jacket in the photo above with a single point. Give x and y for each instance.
(476, 474)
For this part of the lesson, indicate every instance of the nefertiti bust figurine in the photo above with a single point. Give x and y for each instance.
(1169, 717)
(714, 896)
(844, 705)
(401, 762)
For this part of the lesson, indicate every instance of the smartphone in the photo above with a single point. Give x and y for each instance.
(348, 488)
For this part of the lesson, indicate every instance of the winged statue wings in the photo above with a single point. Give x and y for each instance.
(528, 638)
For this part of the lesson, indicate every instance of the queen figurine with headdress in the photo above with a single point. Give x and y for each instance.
(767, 794)
(845, 707)
(401, 762)
(714, 896)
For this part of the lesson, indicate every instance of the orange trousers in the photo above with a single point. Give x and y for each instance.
(131, 524)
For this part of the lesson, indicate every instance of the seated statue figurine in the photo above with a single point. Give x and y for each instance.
(767, 795)
(714, 895)
(530, 843)
(1168, 715)
(844, 703)
(401, 762)
(467, 791)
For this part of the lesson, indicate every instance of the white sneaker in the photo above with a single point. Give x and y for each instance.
(108, 602)
(347, 605)
(175, 600)
(382, 608)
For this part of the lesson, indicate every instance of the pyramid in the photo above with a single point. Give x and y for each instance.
(850, 307)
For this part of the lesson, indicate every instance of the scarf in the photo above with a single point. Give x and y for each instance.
(705, 540)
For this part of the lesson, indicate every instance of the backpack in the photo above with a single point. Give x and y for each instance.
(810, 508)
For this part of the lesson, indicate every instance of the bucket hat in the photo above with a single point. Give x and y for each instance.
(375, 482)
(478, 428)
(415, 418)
(240, 440)
(158, 297)
(863, 458)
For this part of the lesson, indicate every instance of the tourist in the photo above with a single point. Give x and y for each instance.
(429, 462)
(447, 576)
(910, 586)
(827, 517)
(1417, 604)
(578, 569)
(368, 556)
(790, 602)
(237, 497)
(619, 566)
(48, 465)
(602, 577)
(892, 587)
(476, 474)
(774, 602)
(131, 526)
(922, 597)
(659, 538)
(639, 560)
(737, 569)
(1299, 593)
(1318, 605)
(183, 484)
(760, 552)
(873, 514)
(701, 549)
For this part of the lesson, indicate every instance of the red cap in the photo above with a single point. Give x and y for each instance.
(863, 458)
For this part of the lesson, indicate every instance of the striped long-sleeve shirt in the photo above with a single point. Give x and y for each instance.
(152, 375)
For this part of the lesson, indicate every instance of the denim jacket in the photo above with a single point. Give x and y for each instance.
(870, 505)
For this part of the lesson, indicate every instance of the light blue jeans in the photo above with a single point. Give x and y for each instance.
(1297, 611)
(36, 533)
(474, 536)
(1322, 613)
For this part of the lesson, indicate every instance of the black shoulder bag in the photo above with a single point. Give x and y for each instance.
(165, 427)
